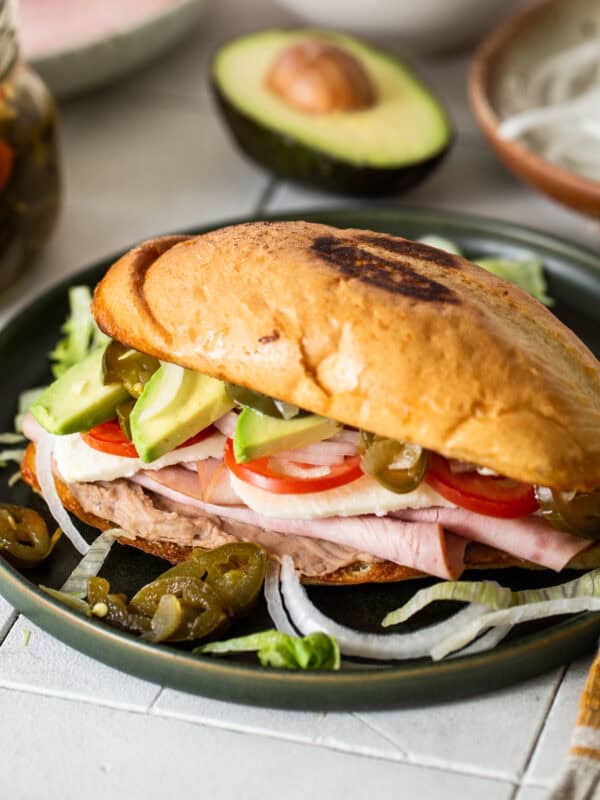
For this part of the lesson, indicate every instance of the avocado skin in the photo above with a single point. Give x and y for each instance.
(295, 161)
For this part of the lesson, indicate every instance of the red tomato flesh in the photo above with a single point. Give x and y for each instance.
(109, 438)
(258, 473)
(7, 157)
(483, 494)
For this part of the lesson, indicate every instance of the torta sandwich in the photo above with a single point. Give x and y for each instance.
(374, 407)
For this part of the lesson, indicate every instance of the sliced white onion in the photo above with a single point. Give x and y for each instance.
(169, 386)
(273, 598)
(513, 616)
(557, 73)
(226, 424)
(486, 642)
(325, 453)
(43, 468)
(346, 435)
(585, 104)
(295, 470)
(308, 619)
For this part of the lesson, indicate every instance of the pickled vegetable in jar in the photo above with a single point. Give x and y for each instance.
(29, 173)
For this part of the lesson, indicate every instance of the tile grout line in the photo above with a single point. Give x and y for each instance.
(383, 735)
(42, 691)
(542, 725)
(437, 764)
(516, 788)
(143, 711)
(149, 709)
(9, 626)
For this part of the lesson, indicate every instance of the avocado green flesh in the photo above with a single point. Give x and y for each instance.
(79, 399)
(157, 427)
(258, 435)
(405, 126)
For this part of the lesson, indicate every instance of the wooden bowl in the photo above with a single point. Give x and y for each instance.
(500, 67)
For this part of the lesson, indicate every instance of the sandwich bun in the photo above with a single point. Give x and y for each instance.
(375, 331)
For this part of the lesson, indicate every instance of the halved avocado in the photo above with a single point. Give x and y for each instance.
(389, 146)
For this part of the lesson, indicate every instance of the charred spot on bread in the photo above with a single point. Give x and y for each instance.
(271, 337)
(385, 273)
(414, 250)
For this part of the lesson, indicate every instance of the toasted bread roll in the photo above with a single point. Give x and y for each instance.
(375, 331)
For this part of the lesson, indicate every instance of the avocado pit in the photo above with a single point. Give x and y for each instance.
(319, 77)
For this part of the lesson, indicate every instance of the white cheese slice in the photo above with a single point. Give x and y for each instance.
(76, 461)
(363, 496)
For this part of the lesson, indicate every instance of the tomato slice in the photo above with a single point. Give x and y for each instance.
(258, 473)
(489, 495)
(7, 157)
(109, 438)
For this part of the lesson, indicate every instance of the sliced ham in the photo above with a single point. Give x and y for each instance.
(156, 518)
(208, 480)
(530, 538)
(429, 539)
(423, 546)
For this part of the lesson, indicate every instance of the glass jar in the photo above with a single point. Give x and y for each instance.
(29, 174)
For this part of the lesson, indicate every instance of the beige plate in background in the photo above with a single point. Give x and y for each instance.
(500, 69)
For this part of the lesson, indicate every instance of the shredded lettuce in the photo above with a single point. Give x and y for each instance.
(580, 594)
(91, 563)
(513, 616)
(82, 335)
(14, 478)
(487, 593)
(276, 649)
(587, 585)
(493, 595)
(11, 438)
(15, 454)
(433, 240)
(72, 600)
(528, 274)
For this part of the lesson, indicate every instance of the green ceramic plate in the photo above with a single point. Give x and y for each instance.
(574, 279)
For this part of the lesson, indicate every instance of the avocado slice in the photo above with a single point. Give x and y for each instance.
(176, 403)
(257, 435)
(79, 399)
(387, 147)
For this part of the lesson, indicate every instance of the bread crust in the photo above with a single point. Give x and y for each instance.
(375, 331)
(477, 556)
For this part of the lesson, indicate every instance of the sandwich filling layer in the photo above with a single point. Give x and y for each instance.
(190, 498)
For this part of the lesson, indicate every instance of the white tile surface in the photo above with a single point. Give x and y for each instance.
(532, 793)
(467, 735)
(7, 617)
(440, 736)
(338, 731)
(112, 753)
(551, 751)
(35, 661)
